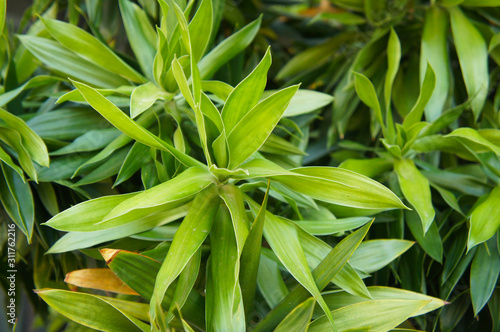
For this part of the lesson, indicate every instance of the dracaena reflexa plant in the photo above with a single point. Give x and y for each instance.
(434, 106)
(211, 197)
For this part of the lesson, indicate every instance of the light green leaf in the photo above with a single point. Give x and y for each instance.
(375, 316)
(141, 35)
(218, 88)
(416, 189)
(3, 14)
(339, 299)
(473, 56)
(31, 141)
(485, 269)
(373, 255)
(79, 240)
(228, 48)
(298, 319)
(188, 238)
(485, 219)
(200, 29)
(233, 197)
(91, 311)
(434, 52)
(90, 48)
(368, 167)
(368, 95)
(226, 305)
(328, 227)
(255, 127)
(340, 186)
(83, 216)
(125, 124)
(184, 185)
(144, 96)
(64, 62)
(246, 94)
(481, 3)
(393, 59)
(472, 138)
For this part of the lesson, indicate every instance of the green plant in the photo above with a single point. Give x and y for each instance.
(215, 250)
(431, 134)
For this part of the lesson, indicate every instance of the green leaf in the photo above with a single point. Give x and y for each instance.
(375, 316)
(323, 274)
(368, 95)
(138, 155)
(425, 95)
(72, 123)
(3, 14)
(484, 273)
(340, 186)
(298, 319)
(393, 60)
(269, 279)
(473, 56)
(338, 299)
(431, 241)
(9, 162)
(184, 185)
(255, 127)
(233, 198)
(472, 138)
(145, 269)
(34, 82)
(251, 256)
(329, 227)
(13, 139)
(434, 52)
(125, 124)
(91, 311)
(485, 219)
(368, 167)
(198, 31)
(228, 49)
(416, 190)
(188, 238)
(61, 60)
(307, 101)
(79, 240)
(481, 3)
(291, 254)
(31, 141)
(83, 216)
(90, 48)
(141, 35)
(373, 255)
(226, 307)
(246, 94)
(144, 96)
(90, 141)
(17, 200)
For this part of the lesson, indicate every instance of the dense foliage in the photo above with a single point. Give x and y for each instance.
(257, 165)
